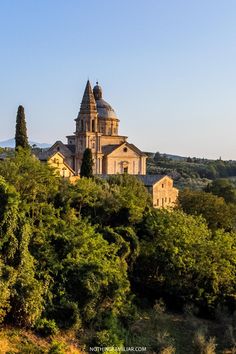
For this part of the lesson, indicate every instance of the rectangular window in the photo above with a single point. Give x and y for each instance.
(169, 200)
(162, 201)
(157, 202)
(125, 169)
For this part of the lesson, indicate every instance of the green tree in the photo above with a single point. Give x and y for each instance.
(214, 209)
(87, 164)
(27, 291)
(33, 180)
(182, 261)
(222, 188)
(21, 138)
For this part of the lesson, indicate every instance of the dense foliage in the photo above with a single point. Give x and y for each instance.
(195, 173)
(87, 255)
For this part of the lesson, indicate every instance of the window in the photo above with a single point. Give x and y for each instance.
(157, 202)
(165, 200)
(125, 149)
(169, 200)
(162, 201)
(125, 169)
(58, 148)
(82, 125)
(162, 185)
(93, 126)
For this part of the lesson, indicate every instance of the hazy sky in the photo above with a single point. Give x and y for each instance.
(168, 68)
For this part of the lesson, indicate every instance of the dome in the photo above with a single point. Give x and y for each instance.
(105, 110)
(97, 91)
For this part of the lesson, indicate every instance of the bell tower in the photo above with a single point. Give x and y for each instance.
(87, 135)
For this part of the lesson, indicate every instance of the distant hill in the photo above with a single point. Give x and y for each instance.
(11, 144)
(169, 156)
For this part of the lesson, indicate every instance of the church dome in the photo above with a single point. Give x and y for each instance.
(97, 91)
(105, 110)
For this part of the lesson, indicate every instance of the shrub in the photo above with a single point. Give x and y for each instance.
(202, 345)
(46, 327)
(57, 348)
(164, 343)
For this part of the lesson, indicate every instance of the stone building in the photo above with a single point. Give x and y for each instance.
(97, 128)
(57, 161)
(164, 195)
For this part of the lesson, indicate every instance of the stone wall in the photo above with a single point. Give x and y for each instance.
(164, 194)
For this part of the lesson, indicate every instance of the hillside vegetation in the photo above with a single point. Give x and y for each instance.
(93, 264)
(190, 172)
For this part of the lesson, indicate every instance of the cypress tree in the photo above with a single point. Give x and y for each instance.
(21, 138)
(87, 164)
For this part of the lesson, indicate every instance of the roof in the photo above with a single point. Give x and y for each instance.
(60, 143)
(71, 147)
(44, 154)
(132, 146)
(108, 149)
(105, 110)
(41, 154)
(150, 180)
(64, 163)
(88, 103)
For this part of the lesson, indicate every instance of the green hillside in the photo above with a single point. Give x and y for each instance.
(92, 264)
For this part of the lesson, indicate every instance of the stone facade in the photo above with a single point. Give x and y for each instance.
(57, 161)
(164, 194)
(97, 128)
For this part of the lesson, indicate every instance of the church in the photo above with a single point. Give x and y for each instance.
(97, 128)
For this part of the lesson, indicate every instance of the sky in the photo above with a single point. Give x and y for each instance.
(167, 67)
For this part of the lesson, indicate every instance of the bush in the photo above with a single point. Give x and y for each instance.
(202, 345)
(57, 348)
(46, 327)
(164, 343)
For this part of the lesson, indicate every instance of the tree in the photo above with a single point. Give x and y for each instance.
(87, 164)
(21, 130)
(214, 209)
(182, 261)
(223, 188)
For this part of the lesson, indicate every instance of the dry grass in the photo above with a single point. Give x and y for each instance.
(15, 340)
(5, 346)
